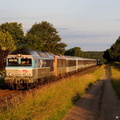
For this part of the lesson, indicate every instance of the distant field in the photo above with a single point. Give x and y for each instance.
(51, 102)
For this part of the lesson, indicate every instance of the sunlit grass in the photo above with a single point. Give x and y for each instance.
(116, 79)
(51, 102)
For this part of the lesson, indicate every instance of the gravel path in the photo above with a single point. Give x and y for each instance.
(99, 103)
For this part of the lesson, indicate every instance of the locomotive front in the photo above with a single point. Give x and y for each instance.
(19, 67)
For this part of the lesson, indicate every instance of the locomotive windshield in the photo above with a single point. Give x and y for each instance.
(12, 61)
(26, 62)
(22, 62)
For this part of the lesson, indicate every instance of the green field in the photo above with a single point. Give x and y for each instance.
(50, 102)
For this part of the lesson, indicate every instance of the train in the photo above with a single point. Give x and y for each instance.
(27, 68)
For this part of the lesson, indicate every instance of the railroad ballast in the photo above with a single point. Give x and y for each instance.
(26, 68)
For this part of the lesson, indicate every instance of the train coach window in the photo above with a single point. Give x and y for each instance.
(80, 62)
(61, 63)
(71, 63)
(12, 61)
(26, 62)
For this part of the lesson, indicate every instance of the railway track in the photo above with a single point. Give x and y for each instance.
(4, 91)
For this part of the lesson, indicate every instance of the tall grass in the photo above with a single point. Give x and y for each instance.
(116, 79)
(51, 102)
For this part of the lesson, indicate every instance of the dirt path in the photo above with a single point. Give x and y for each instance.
(99, 103)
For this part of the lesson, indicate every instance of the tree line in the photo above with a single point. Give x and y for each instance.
(113, 53)
(76, 51)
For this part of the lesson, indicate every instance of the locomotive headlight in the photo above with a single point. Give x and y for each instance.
(26, 74)
(10, 74)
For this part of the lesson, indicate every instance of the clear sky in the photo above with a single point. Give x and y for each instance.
(92, 25)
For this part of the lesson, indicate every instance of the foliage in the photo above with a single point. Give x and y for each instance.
(3, 55)
(15, 30)
(50, 102)
(76, 51)
(51, 41)
(113, 53)
(6, 45)
(6, 41)
(33, 42)
(94, 55)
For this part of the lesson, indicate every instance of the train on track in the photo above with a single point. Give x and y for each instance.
(26, 68)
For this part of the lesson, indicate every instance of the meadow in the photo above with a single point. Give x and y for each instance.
(48, 102)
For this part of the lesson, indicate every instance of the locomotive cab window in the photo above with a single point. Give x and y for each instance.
(26, 62)
(12, 61)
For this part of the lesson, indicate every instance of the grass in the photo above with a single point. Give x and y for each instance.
(51, 102)
(116, 79)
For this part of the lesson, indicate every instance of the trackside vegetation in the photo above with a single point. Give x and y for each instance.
(49, 102)
(116, 78)
(2, 80)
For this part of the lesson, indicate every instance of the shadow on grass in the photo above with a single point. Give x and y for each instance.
(2, 80)
(78, 95)
(116, 86)
(116, 65)
(2, 84)
(76, 98)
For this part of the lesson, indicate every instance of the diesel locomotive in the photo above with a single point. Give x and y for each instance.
(26, 68)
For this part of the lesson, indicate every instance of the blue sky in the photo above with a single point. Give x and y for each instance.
(92, 25)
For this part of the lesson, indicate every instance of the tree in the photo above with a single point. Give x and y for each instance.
(113, 53)
(33, 42)
(51, 41)
(3, 55)
(76, 51)
(15, 30)
(107, 56)
(6, 41)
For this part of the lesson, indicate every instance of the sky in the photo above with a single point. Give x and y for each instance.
(92, 25)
